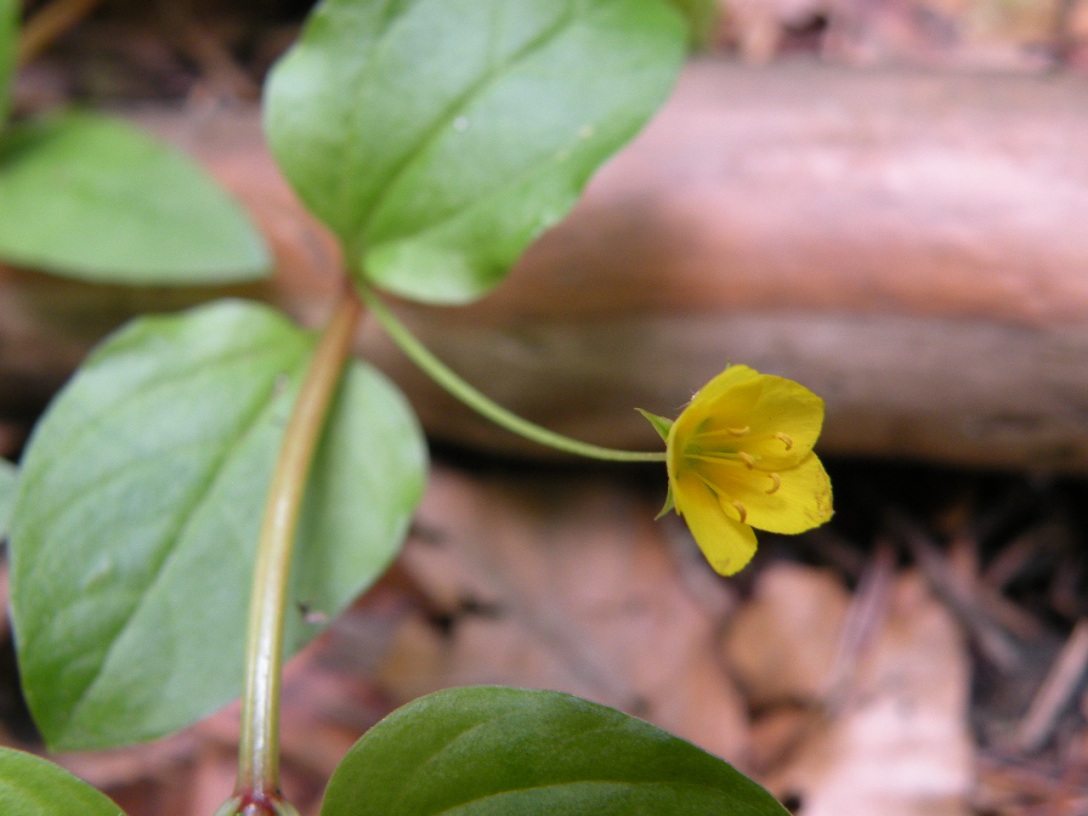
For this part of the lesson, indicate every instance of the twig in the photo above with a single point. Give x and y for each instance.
(211, 56)
(865, 616)
(986, 594)
(1056, 692)
(49, 24)
(993, 641)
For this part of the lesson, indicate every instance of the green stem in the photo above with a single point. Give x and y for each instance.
(445, 377)
(258, 751)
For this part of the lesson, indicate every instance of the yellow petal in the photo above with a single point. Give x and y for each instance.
(726, 381)
(715, 402)
(789, 501)
(783, 419)
(727, 544)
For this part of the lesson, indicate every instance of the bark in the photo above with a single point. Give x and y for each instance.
(910, 246)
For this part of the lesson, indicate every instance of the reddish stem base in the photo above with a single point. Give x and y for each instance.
(257, 803)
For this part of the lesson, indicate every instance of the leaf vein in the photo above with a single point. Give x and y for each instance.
(209, 486)
(446, 117)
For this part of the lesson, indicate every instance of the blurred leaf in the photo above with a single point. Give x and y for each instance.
(92, 198)
(702, 18)
(9, 479)
(31, 786)
(437, 138)
(487, 751)
(139, 505)
(9, 42)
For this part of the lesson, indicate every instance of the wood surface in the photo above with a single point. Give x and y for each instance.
(911, 246)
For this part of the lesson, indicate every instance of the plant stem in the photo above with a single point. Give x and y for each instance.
(452, 382)
(258, 752)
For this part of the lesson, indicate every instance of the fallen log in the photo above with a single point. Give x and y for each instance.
(910, 246)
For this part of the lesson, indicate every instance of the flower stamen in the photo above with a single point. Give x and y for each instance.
(787, 441)
(742, 510)
(747, 429)
(777, 483)
(749, 460)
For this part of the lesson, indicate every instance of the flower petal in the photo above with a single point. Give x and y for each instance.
(702, 407)
(771, 419)
(727, 544)
(789, 501)
(722, 384)
(782, 419)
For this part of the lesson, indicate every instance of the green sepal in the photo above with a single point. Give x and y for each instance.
(670, 504)
(661, 424)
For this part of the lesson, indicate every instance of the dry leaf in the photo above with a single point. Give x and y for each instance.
(782, 644)
(564, 584)
(899, 745)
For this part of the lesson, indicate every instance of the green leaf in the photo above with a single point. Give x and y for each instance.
(92, 198)
(138, 510)
(31, 786)
(9, 479)
(9, 46)
(702, 17)
(490, 751)
(437, 138)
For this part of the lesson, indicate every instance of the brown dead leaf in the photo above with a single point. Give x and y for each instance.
(760, 25)
(1005, 34)
(783, 643)
(1077, 22)
(899, 745)
(564, 584)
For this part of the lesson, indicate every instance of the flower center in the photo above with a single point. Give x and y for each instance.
(695, 453)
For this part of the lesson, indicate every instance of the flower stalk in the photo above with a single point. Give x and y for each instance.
(484, 405)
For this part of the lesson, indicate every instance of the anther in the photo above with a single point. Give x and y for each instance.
(747, 429)
(742, 510)
(777, 483)
(787, 441)
(748, 459)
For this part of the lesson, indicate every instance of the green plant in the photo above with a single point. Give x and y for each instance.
(75, 196)
(196, 455)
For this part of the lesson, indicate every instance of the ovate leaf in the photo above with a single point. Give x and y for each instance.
(9, 477)
(139, 505)
(92, 198)
(437, 138)
(9, 41)
(491, 751)
(31, 786)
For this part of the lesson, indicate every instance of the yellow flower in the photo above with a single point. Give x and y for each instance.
(740, 456)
